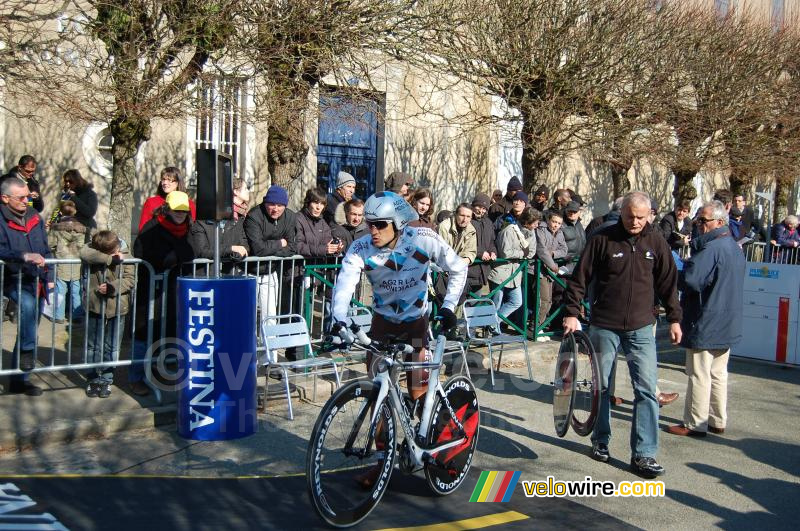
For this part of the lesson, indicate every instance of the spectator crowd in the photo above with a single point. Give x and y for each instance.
(491, 233)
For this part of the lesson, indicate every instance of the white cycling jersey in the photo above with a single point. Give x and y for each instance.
(399, 276)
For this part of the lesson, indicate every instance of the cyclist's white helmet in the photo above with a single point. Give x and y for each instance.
(389, 206)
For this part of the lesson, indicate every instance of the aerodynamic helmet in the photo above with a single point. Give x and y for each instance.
(389, 206)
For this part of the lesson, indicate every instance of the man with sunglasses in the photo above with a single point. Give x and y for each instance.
(23, 248)
(397, 260)
(711, 283)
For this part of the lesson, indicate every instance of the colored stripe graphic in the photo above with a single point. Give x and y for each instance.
(495, 486)
(479, 486)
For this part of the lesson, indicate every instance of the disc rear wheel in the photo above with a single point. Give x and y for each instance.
(587, 386)
(451, 466)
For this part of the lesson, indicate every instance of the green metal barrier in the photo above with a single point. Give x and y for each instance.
(530, 327)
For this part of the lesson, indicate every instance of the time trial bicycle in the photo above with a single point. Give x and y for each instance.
(356, 434)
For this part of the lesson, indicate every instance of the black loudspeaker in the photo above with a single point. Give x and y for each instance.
(214, 187)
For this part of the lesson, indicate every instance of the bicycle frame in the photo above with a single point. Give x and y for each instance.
(385, 380)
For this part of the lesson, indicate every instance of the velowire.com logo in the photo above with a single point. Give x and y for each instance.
(495, 486)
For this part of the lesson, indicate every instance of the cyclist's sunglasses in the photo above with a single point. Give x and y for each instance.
(379, 224)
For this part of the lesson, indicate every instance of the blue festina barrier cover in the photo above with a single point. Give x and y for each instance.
(217, 365)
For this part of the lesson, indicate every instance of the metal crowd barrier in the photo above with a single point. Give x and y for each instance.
(285, 284)
(49, 352)
(280, 283)
(321, 277)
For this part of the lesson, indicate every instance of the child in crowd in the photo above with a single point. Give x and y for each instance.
(109, 287)
(67, 236)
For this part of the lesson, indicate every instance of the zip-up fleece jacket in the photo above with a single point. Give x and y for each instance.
(15, 241)
(625, 270)
(264, 233)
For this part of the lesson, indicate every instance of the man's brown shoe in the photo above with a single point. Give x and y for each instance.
(140, 388)
(680, 429)
(667, 398)
(712, 429)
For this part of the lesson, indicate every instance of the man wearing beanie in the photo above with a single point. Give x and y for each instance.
(540, 197)
(503, 206)
(399, 182)
(478, 274)
(345, 190)
(270, 231)
(518, 204)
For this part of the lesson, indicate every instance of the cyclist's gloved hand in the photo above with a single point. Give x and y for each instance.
(447, 318)
(341, 331)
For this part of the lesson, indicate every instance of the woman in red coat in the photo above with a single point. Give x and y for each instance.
(170, 181)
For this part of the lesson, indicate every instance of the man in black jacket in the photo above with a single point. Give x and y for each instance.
(478, 274)
(503, 206)
(676, 226)
(270, 230)
(345, 188)
(627, 263)
(25, 169)
(750, 223)
(354, 226)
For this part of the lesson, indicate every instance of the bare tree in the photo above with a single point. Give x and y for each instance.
(718, 85)
(295, 45)
(125, 63)
(560, 65)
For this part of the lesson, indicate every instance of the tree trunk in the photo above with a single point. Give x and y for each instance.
(534, 163)
(740, 184)
(619, 178)
(286, 145)
(783, 189)
(684, 189)
(287, 150)
(129, 134)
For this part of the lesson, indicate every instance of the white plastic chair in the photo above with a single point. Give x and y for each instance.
(291, 331)
(482, 313)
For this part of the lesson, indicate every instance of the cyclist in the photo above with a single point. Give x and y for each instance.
(397, 259)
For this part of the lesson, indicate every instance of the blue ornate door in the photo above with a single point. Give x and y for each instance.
(347, 141)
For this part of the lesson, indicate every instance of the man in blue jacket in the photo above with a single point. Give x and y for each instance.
(23, 248)
(712, 302)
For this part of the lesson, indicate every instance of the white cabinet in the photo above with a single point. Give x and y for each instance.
(770, 316)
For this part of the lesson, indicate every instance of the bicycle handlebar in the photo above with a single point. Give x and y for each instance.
(347, 336)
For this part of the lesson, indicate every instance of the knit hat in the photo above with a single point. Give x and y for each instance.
(277, 195)
(481, 200)
(343, 178)
(572, 206)
(514, 184)
(395, 181)
(543, 189)
(178, 201)
(521, 195)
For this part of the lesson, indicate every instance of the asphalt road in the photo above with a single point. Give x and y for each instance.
(747, 478)
(146, 502)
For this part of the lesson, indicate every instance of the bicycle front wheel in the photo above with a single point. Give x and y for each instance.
(349, 462)
(450, 467)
